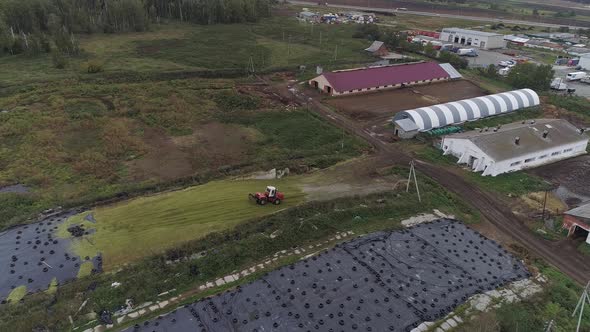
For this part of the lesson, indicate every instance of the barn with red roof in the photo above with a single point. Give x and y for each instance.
(358, 80)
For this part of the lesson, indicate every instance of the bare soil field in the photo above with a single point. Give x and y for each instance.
(572, 177)
(384, 104)
(209, 147)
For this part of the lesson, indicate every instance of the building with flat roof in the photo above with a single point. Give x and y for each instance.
(584, 61)
(481, 39)
(370, 79)
(516, 146)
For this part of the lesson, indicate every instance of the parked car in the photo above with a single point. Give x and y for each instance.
(507, 63)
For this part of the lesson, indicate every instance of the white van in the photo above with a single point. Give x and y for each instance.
(576, 76)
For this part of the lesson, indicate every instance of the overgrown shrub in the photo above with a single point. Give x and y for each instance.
(59, 60)
(94, 66)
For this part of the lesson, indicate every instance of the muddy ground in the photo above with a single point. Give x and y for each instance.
(209, 147)
(384, 104)
(571, 178)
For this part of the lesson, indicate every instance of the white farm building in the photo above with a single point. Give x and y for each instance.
(481, 39)
(516, 146)
(585, 61)
(409, 123)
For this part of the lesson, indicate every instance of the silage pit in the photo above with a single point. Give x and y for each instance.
(33, 255)
(380, 282)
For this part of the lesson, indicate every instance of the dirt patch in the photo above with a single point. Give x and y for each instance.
(384, 104)
(268, 97)
(355, 177)
(554, 112)
(210, 147)
(572, 177)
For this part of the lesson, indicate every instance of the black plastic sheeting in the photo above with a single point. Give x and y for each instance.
(380, 282)
(32, 255)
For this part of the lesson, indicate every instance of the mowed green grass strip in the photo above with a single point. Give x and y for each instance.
(131, 230)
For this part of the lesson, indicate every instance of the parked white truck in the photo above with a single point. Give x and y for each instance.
(576, 76)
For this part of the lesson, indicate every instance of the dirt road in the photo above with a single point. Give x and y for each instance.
(565, 257)
(422, 9)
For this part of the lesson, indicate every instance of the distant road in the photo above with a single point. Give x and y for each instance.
(462, 17)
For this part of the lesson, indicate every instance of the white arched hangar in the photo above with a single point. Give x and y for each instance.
(409, 123)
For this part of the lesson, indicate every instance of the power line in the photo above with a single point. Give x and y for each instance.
(413, 172)
(580, 306)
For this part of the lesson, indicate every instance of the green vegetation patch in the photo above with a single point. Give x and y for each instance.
(85, 269)
(17, 294)
(129, 231)
(556, 302)
(52, 289)
(584, 248)
(575, 104)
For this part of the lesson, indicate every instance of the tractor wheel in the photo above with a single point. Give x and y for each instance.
(277, 201)
(262, 202)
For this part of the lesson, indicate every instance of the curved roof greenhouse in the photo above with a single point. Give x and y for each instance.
(427, 118)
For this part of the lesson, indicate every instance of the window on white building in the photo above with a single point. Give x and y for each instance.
(529, 160)
(515, 164)
(543, 156)
(556, 153)
(567, 150)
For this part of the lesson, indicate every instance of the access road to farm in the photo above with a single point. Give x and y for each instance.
(495, 210)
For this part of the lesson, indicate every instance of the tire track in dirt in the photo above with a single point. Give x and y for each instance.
(565, 258)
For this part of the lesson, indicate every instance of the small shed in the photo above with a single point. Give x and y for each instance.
(406, 128)
(378, 48)
(577, 221)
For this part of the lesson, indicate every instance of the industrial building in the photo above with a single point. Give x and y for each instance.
(516, 146)
(359, 80)
(481, 39)
(584, 61)
(577, 221)
(409, 123)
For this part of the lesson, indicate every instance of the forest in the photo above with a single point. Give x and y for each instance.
(37, 26)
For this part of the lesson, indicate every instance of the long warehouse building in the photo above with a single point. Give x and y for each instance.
(409, 123)
(363, 80)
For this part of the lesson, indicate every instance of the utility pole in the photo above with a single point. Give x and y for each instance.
(251, 66)
(320, 39)
(342, 142)
(583, 299)
(336, 53)
(544, 205)
(413, 172)
(550, 326)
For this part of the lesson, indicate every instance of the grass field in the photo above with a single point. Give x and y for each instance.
(229, 250)
(75, 138)
(272, 43)
(75, 144)
(129, 231)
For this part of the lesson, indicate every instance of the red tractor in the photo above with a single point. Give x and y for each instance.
(271, 195)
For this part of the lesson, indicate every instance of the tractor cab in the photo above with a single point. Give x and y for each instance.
(271, 191)
(271, 195)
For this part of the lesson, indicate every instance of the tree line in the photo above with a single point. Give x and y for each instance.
(34, 26)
